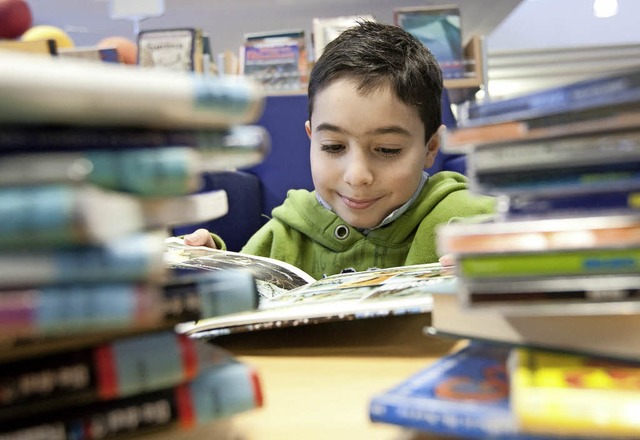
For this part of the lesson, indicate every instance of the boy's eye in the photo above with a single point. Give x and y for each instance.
(386, 151)
(333, 148)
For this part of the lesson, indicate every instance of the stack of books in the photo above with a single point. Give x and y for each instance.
(98, 162)
(557, 272)
(565, 247)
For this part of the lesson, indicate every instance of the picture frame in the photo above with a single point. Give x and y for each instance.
(439, 28)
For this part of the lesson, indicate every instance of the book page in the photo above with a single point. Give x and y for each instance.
(349, 296)
(273, 277)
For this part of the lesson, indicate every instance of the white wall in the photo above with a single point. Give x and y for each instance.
(88, 21)
(536, 24)
(547, 43)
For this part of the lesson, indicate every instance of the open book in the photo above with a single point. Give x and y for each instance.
(290, 297)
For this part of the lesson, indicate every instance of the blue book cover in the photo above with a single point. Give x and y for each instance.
(619, 88)
(624, 201)
(464, 394)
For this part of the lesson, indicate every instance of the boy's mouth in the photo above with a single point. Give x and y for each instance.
(358, 203)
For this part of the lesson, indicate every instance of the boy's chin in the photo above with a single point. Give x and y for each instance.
(361, 223)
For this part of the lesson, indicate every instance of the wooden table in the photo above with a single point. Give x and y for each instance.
(318, 381)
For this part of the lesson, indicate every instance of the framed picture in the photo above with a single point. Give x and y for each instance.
(439, 29)
(171, 49)
(277, 60)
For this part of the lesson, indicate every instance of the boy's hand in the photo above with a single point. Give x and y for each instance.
(200, 237)
(448, 262)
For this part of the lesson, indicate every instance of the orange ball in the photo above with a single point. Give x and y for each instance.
(15, 18)
(127, 49)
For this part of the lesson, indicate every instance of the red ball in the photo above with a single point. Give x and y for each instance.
(15, 18)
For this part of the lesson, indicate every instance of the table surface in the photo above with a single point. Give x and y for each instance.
(320, 389)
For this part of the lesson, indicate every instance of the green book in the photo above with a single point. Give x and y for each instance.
(576, 262)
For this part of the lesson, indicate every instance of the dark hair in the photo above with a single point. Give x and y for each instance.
(376, 55)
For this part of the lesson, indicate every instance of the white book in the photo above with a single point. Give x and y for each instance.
(37, 89)
(134, 257)
(68, 215)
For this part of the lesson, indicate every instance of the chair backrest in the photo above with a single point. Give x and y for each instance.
(244, 217)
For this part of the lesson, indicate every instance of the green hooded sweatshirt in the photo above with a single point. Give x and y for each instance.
(304, 233)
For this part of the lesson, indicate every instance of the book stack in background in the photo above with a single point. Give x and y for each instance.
(556, 273)
(97, 162)
(565, 247)
(182, 49)
(277, 60)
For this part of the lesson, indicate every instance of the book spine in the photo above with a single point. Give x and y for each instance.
(87, 308)
(217, 392)
(207, 294)
(124, 367)
(580, 179)
(64, 214)
(167, 171)
(137, 257)
(615, 168)
(551, 291)
(48, 90)
(613, 89)
(623, 201)
(539, 234)
(548, 154)
(74, 309)
(160, 212)
(557, 394)
(55, 215)
(25, 138)
(532, 264)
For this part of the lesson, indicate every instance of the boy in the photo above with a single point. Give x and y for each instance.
(374, 125)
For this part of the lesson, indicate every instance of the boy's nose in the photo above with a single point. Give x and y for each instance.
(357, 171)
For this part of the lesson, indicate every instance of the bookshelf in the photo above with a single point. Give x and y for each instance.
(462, 90)
(474, 55)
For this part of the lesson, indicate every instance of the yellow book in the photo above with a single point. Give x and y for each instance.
(566, 394)
(45, 47)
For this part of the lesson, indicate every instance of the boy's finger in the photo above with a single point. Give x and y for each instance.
(200, 237)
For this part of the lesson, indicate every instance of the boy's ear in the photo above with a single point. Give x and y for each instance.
(433, 146)
(307, 128)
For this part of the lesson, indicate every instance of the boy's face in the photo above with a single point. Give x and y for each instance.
(367, 152)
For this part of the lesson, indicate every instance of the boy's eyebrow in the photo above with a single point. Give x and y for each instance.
(391, 129)
(325, 126)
